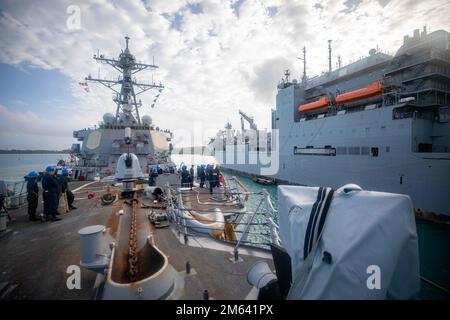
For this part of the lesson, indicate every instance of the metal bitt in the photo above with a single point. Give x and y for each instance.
(205, 295)
(188, 267)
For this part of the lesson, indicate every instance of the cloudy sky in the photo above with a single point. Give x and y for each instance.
(215, 57)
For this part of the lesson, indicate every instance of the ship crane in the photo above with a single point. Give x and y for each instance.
(247, 135)
(248, 119)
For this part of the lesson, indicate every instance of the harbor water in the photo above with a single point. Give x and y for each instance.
(14, 167)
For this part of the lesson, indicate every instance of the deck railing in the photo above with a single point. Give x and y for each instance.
(261, 217)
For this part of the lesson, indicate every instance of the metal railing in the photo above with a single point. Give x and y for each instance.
(261, 217)
(15, 193)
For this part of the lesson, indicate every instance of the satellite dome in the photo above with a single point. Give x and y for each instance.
(147, 120)
(372, 51)
(108, 118)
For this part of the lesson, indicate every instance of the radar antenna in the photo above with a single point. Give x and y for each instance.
(127, 112)
(304, 65)
(329, 56)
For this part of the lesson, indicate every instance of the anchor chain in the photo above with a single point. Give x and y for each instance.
(132, 248)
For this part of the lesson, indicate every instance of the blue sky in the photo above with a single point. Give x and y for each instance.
(25, 86)
(215, 56)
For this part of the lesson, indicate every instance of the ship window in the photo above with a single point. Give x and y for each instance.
(425, 147)
(354, 150)
(365, 151)
(315, 151)
(374, 152)
(388, 149)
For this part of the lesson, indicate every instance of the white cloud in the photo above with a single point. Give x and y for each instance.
(35, 131)
(216, 62)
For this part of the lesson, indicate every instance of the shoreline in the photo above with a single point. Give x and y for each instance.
(34, 151)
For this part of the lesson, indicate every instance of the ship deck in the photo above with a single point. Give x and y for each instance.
(35, 255)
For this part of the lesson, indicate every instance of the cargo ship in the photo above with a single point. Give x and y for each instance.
(382, 122)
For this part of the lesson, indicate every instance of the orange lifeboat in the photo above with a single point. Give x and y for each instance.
(315, 105)
(372, 90)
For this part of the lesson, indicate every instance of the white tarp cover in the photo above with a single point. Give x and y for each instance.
(362, 229)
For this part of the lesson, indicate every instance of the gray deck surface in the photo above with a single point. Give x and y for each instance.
(34, 256)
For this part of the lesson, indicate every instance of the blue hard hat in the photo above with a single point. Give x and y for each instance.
(65, 171)
(184, 168)
(32, 174)
(50, 168)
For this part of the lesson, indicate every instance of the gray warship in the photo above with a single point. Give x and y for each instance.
(101, 146)
(382, 121)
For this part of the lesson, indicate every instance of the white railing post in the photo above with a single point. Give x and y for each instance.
(247, 228)
(181, 215)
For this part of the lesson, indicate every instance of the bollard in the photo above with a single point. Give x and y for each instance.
(188, 267)
(3, 221)
(236, 254)
(205, 295)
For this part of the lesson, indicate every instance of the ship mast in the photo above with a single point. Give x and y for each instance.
(127, 112)
(329, 56)
(304, 65)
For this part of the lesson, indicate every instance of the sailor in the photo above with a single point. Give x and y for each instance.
(221, 179)
(213, 178)
(202, 175)
(65, 188)
(152, 176)
(185, 179)
(160, 170)
(191, 176)
(50, 194)
(32, 194)
(58, 176)
(208, 175)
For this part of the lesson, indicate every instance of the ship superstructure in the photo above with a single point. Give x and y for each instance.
(382, 122)
(102, 146)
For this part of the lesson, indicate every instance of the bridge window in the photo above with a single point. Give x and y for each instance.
(354, 150)
(310, 151)
(365, 151)
(374, 152)
(425, 147)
